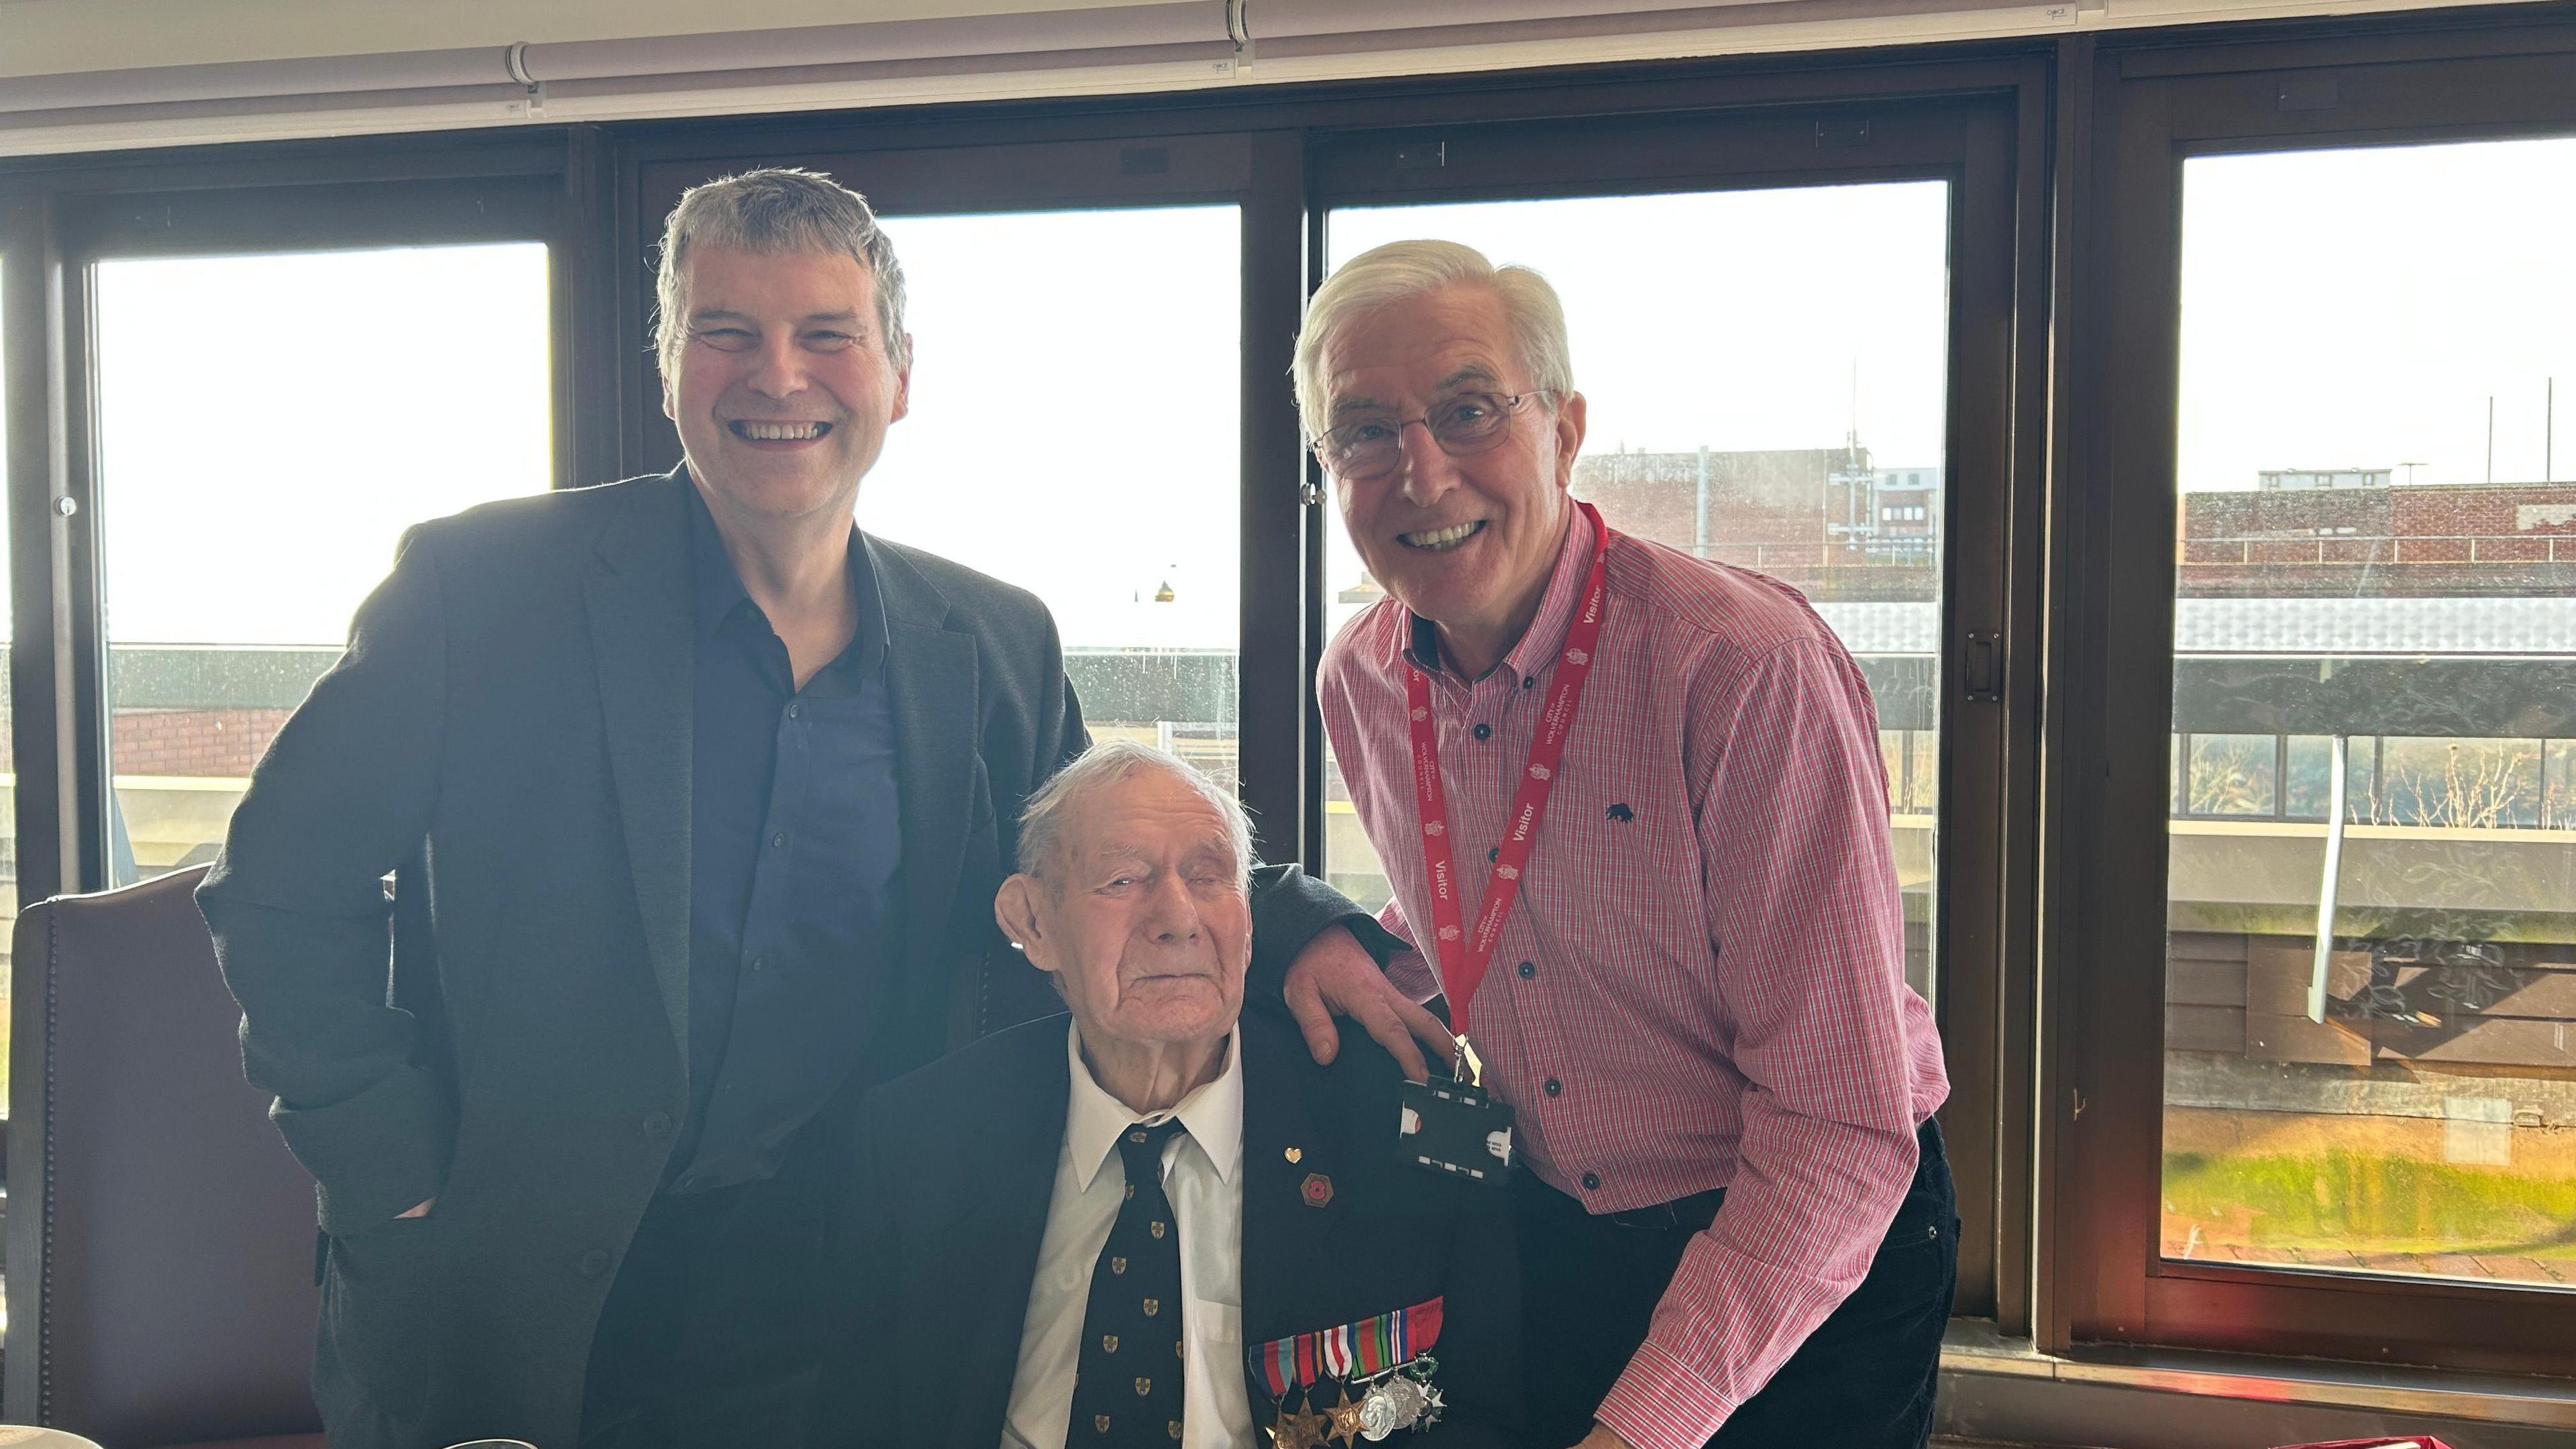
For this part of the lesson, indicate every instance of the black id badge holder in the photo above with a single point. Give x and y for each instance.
(1454, 1127)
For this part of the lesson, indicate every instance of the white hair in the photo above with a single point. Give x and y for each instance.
(774, 211)
(1104, 764)
(1398, 270)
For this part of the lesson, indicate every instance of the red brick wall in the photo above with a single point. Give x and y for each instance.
(2430, 540)
(223, 742)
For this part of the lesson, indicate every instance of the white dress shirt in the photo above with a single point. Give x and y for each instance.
(1203, 1177)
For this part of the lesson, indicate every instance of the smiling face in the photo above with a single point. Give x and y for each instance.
(1467, 543)
(1141, 917)
(782, 389)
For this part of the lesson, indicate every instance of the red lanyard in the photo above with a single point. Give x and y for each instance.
(1463, 959)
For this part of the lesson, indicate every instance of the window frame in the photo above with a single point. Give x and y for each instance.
(513, 194)
(59, 217)
(2154, 104)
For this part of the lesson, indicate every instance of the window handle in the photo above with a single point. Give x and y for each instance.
(1983, 668)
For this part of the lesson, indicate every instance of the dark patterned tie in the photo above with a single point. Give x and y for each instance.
(1127, 1385)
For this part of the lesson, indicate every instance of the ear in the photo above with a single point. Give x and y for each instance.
(1015, 911)
(1569, 437)
(903, 383)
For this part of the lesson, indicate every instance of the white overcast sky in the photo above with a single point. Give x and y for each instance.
(272, 423)
(2358, 308)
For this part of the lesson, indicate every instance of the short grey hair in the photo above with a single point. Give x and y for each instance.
(1105, 764)
(1397, 270)
(774, 211)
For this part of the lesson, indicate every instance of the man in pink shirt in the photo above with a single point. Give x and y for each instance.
(1632, 807)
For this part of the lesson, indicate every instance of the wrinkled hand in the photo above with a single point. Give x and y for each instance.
(1335, 976)
(1603, 1437)
(421, 1211)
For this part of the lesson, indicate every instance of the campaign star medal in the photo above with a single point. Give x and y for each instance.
(1301, 1430)
(1346, 1418)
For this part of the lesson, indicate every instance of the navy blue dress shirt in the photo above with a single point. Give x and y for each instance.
(793, 850)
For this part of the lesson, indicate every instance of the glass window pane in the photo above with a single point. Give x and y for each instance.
(2308, 776)
(2377, 561)
(1765, 377)
(2463, 783)
(8, 770)
(2230, 774)
(1923, 790)
(1120, 506)
(2558, 802)
(253, 484)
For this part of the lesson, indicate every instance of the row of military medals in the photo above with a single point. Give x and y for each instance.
(1401, 1398)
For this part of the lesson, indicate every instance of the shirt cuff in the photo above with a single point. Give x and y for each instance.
(1661, 1403)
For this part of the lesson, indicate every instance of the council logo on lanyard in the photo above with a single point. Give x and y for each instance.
(1455, 1126)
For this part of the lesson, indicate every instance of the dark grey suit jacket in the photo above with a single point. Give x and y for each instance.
(953, 1172)
(509, 735)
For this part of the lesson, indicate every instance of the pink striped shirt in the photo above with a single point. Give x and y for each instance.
(1702, 983)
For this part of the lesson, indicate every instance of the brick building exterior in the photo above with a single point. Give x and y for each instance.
(2431, 540)
(1822, 519)
(191, 741)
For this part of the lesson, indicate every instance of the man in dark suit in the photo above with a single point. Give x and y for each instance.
(694, 797)
(1162, 1222)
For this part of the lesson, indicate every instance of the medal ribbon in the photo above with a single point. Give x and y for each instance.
(1462, 959)
(1369, 1347)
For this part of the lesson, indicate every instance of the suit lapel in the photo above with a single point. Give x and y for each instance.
(931, 674)
(1286, 1242)
(637, 597)
(1016, 1187)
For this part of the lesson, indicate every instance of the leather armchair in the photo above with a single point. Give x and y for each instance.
(160, 1237)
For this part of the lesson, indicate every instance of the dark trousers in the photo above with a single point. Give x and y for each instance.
(713, 1329)
(1863, 1380)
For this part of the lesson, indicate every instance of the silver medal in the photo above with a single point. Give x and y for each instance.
(1393, 1404)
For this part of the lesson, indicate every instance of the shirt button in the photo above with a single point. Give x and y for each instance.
(1528, 969)
(778, 841)
(1591, 1182)
(792, 709)
(1530, 683)
(1554, 1088)
(758, 962)
(657, 1125)
(1484, 732)
(594, 1262)
(1493, 852)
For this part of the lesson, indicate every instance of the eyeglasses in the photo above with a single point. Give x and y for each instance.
(1364, 450)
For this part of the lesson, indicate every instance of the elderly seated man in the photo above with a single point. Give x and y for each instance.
(1160, 1222)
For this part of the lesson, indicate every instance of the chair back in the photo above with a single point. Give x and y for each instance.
(160, 1236)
